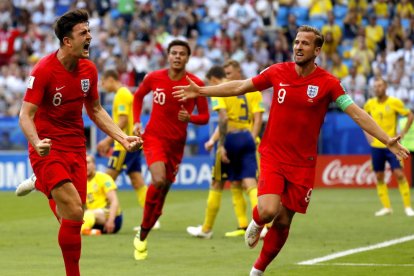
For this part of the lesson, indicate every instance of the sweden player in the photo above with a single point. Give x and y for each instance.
(240, 120)
(385, 110)
(103, 212)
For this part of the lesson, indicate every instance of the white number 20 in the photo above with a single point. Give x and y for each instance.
(281, 94)
(159, 98)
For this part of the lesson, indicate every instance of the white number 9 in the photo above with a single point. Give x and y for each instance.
(281, 94)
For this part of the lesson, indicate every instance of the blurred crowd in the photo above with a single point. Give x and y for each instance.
(364, 38)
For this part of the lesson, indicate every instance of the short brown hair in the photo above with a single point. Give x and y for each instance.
(178, 42)
(110, 73)
(64, 25)
(233, 63)
(319, 40)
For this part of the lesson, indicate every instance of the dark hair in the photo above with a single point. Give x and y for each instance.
(64, 25)
(217, 72)
(178, 42)
(110, 73)
(319, 40)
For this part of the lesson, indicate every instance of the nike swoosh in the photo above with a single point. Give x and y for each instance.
(60, 88)
(283, 84)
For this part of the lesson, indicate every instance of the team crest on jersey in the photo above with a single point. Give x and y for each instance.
(85, 85)
(312, 91)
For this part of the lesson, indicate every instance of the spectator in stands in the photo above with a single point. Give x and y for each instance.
(355, 84)
(213, 53)
(199, 64)
(266, 11)
(362, 56)
(249, 66)
(215, 9)
(279, 51)
(404, 9)
(374, 34)
(319, 9)
(360, 7)
(395, 34)
(380, 65)
(6, 10)
(290, 29)
(328, 49)
(351, 26)
(138, 61)
(338, 68)
(380, 8)
(332, 27)
(242, 17)
(260, 53)
(398, 75)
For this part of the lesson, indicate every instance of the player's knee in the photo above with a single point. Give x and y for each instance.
(267, 213)
(159, 181)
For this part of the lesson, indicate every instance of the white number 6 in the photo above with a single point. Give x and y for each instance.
(57, 99)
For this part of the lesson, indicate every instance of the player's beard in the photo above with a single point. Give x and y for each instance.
(305, 61)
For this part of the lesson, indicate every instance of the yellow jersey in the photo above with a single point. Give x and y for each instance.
(240, 109)
(122, 105)
(385, 114)
(97, 188)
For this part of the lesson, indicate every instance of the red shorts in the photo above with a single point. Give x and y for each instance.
(60, 167)
(170, 152)
(293, 184)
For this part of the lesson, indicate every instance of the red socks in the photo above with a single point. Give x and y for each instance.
(70, 243)
(154, 203)
(256, 216)
(272, 244)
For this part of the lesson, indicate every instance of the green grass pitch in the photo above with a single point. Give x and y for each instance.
(337, 220)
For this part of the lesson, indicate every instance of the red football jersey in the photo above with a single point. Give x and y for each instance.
(298, 110)
(60, 95)
(163, 122)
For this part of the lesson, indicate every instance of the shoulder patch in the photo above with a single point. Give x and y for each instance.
(30, 82)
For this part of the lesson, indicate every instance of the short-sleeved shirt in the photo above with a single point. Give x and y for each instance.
(163, 122)
(240, 109)
(385, 114)
(97, 189)
(60, 96)
(297, 112)
(122, 105)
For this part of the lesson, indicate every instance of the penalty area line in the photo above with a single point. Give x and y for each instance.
(357, 250)
(361, 264)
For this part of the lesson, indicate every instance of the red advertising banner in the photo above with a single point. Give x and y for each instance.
(351, 171)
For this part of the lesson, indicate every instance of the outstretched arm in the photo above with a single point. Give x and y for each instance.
(102, 119)
(231, 88)
(368, 124)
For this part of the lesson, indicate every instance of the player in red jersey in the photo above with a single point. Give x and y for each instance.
(51, 119)
(165, 133)
(302, 93)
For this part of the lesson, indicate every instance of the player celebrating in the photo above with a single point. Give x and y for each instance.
(165, 133)
(288, 150)
(122, 115)
(237, 150)
(51, 119)
(385, 110)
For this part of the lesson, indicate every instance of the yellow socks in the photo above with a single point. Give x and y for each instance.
(382, 191)
(141, 193)
(405, 192)
(239, 205)
(213, 206)
(252, 193)
(88, 220)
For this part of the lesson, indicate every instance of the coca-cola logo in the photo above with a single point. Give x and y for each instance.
(353, 174)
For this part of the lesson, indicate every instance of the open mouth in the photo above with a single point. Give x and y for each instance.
(86, 47)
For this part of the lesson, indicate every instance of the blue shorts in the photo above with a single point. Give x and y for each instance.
(118, 225)
(123, 160)
(382, 155)
(241, 151)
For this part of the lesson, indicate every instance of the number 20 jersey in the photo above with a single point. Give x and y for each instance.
(298, 110)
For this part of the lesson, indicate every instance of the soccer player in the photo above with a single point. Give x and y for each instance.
(288, 150)
(122, 115)
(103, 213)
(165, 133)
(60, 85)
(385, 110)
(236, 149)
